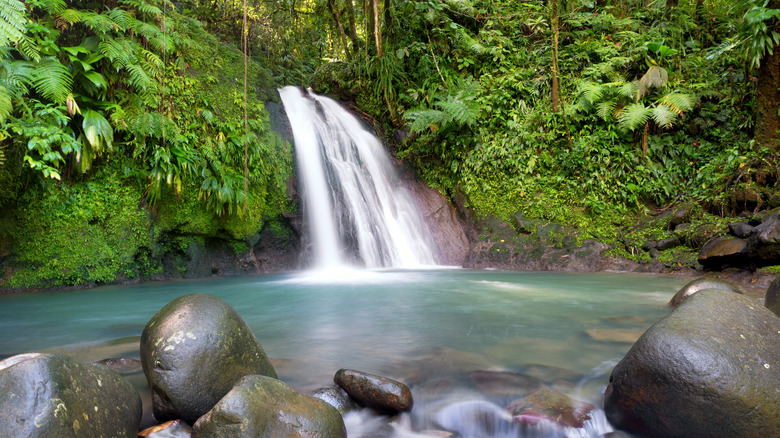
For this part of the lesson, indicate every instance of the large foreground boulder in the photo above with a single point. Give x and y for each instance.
(701, 284)
(193, 352)
(260, 406)
(53, 395)
(710, 368)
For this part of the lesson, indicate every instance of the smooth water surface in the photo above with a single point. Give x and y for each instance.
(416, 326)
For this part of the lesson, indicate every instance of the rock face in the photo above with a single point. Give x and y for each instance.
(53, 395)
(701, 284)
(707, 369)
(193, 351)
(262, 406)
(379, 393)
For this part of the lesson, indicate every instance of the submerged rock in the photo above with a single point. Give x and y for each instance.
(260, 406)
(53, 395)
(551, 405)
(193, 351)
(701, 284)
(500, 384)
(376, 392)
(707, 369)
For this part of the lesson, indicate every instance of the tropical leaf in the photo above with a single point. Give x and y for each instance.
(13, 21)
(17, 77)
(52, 79)
(117, 50)
(634, 115)
(628, 89)
(73, 16)
(97, 131)
(664, 116)
(27, 47)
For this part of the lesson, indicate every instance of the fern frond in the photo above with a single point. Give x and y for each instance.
(146, 30)
(139, 78)
(122, 19)
(634, 116)
(13, 21)
(423, 119)
(461, 111)
(73, 16)
(161, 42)
(53, 7)
(19, 75)
(99, 23)
(151, 61)
(6, 105)
(678, 102)
(117, 50)
(27, 47)
(591, 92)
(664, 116)
(628, 89)
(606, 109)
(52, 79)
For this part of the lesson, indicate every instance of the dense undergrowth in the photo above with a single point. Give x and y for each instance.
(124, 141)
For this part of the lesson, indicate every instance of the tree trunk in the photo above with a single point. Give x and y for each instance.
(768, 102)
(388, 18)
(337, 18)
(349, 8)
(377, 24)
(555, 30)
(368, 7)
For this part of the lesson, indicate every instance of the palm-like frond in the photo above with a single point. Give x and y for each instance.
(628, 89)
(13, 21)
(664, 116)
(656, 76)
(139, 78)
(678, 102)
(99, 23)
(52, 79)
(27, 47)
(460, 109)
(634, 115)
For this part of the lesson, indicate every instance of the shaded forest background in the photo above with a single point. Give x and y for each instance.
(132, 129)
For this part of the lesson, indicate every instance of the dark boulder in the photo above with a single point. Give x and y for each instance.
(260, 406)
(701, 284)
(772, 299)
(193, 352)
(724, 251)
(669, 243)
(764, 241)
(740, 229)
(53, 395)
(551, 405)
(707, 369)
(384, 395)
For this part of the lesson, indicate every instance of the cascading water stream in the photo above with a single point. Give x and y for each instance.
(357, 211)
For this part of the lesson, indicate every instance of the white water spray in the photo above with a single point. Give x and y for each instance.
(357, 210)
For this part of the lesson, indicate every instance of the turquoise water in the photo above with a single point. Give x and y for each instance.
(387, 322)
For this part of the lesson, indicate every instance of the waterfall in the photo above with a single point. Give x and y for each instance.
(356, 207)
